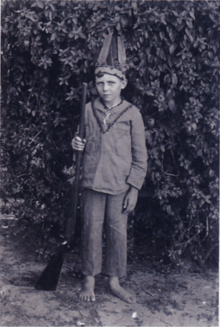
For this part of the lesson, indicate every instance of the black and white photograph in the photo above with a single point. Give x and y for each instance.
(109, 163)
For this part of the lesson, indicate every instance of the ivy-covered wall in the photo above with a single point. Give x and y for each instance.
(49, 49)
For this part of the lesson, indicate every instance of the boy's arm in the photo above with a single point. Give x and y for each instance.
(139, 152)
(138, 165)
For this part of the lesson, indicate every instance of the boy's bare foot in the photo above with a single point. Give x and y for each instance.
(87, 293)
(120, 291)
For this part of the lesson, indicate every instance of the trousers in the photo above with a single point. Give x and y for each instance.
(103, 211)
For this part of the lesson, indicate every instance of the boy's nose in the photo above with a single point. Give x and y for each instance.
(105, 87)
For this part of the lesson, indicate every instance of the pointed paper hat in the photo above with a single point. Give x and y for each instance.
(112, 58)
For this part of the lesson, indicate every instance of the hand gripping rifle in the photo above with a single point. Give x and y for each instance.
(48, 280)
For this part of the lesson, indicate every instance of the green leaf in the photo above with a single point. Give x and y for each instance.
(174, 79)
(53, 36)
(172, 48)
(172, 105)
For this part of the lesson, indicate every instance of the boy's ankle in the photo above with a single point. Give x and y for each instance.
(89, 280)
(113, 281)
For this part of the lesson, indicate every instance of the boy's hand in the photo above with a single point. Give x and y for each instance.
(130, 200)
(78, 144)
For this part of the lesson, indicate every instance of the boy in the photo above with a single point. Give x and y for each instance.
(114, 168)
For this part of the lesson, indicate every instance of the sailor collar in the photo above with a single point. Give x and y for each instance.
(106, 117)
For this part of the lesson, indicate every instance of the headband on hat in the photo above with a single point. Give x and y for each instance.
(112, 58)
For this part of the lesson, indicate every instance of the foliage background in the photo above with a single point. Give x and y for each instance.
(49, 49)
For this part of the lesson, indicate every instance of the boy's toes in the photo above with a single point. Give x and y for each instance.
(131, 299)
(92, 298)
(123, 294)
(127, 297)
(87, 297)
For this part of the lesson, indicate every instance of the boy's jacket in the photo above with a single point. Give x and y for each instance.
(115, 154)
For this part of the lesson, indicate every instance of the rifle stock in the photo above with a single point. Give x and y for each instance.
(48, 280)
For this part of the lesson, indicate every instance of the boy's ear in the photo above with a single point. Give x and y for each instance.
(124, 83)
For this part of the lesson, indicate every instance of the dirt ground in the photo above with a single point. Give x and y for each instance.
(183, 297)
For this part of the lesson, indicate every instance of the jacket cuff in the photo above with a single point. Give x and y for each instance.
(136, 178)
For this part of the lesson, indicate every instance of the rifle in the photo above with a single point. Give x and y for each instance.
(48, 280)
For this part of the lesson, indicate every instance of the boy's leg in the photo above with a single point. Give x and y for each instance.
(116, 245)
(93, 217)
(116, 236)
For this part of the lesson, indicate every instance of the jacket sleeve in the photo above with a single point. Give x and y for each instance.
(139, 152)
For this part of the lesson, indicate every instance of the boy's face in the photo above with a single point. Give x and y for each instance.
(109, 88)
